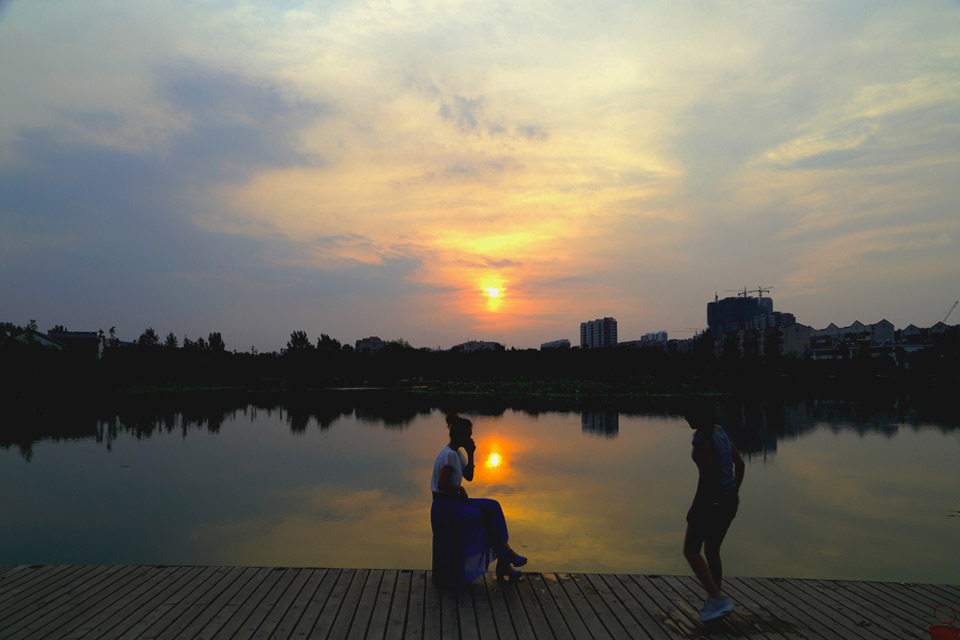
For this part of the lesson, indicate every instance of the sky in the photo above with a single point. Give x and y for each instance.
(380, 167)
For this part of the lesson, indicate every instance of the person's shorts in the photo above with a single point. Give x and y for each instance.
(713, 520)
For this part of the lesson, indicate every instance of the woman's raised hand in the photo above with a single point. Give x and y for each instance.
(470, 446)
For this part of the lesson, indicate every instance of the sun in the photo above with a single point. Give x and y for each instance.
(493, 292)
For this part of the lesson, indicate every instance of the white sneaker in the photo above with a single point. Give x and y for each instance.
(713, 609)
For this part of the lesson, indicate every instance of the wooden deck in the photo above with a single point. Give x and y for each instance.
(123, 601)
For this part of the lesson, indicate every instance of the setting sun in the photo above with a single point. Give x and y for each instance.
(493, 460)
(493, 292)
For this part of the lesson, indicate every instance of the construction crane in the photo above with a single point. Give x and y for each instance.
(745, 293)
(949, 312)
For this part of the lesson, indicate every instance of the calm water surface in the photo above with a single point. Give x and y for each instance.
(599, 491)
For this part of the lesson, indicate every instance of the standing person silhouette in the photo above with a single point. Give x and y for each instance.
(468, 533)
(714, 505)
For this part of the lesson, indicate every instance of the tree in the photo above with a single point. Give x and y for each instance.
(215, 342)
(299, 341)
(58, 328)
(32, 325)
(113, 341)
(149, 338)
(326, 342)
(171, 341)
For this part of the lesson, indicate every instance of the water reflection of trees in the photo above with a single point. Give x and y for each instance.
(757, 425)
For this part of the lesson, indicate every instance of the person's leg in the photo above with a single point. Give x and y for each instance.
(716, 532)
(711, 550)
(495, 522)
(692, 543)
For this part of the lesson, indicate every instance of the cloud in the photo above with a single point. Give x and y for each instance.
(465, 112)
(532, 132)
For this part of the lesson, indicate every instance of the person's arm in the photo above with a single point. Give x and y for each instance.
(704, 457)
(446, 485)
(738, 466)
(468, 469)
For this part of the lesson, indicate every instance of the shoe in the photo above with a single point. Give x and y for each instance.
(513, 558)
(714, 609)
(506, 573)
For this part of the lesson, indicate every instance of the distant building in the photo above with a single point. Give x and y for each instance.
(92, 343)
(88, 343)
(35, 337)
(556, 344)
(599, 333)
(369, 345)
(477, 345)
(735, 314)
(658, 337)
(834, 343)
(795, 340)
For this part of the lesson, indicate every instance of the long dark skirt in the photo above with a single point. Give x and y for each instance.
(466, 536)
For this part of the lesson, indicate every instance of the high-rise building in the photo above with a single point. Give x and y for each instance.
(734, 314)
(598, 333)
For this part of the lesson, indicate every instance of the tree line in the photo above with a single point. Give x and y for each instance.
(152, 363)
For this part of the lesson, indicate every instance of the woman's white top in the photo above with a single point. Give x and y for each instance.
(448, 458)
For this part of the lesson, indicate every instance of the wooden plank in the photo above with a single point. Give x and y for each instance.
(365, 605)
(912, 601)
(932, 593)
(486, 625)
(135, 610)
(874, 607)
(691, 595)
(399, 606)
(236, 618)
(518, 613)
(633, 619)
(599, 596)
(30, 578)
(264, 616)
(544, 599)
(823, 619)
(39, 587)
(638, 604)
(787, 608)
(499, 612)
(200, 602)
(45, 617)
(348, 605)
(648, 591)
(449, 614)
(209, 604)
(136, 626)
(761, 617)
(104, 602)
(842, 614)
(431, 611)
(276, 608)
(314, 607)
(178, 609)
(416, 606)
(467, 614)
(292, 615)
(381, 607)
(580, 605)
(106, 618)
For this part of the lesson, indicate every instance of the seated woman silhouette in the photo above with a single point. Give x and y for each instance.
(468, 533)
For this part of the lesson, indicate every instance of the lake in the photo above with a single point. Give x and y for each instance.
(832, 490)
